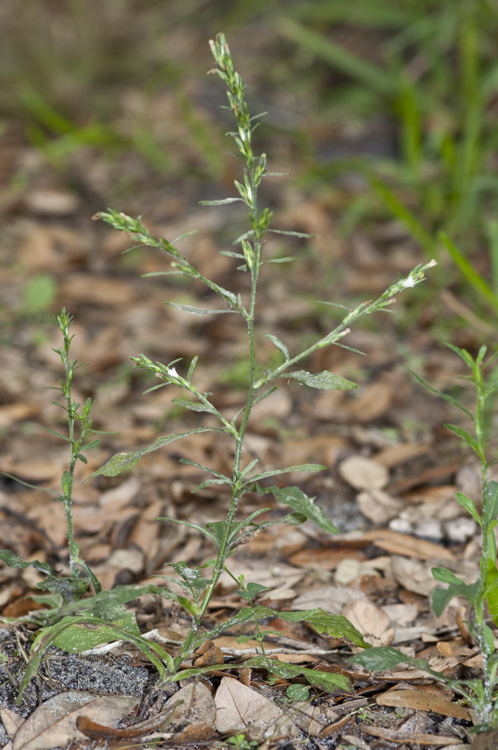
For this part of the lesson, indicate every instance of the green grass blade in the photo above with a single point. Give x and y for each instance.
(469, 272)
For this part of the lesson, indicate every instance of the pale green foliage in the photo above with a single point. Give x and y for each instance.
(479, 693)
(228, 535)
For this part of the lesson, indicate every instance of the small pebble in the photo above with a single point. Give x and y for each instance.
(429, 528)
(460, 530)
(402, 525)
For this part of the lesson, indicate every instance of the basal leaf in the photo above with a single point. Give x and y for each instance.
(327, 681)
(325, 380)
(299, 501)
(71, 589)
(10, 559)
(379, 659)
(126, 461)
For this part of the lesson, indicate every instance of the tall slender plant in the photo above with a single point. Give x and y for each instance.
(229, 534)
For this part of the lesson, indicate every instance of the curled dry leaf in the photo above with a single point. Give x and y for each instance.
(207, 655)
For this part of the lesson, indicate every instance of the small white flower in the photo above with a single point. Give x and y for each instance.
(172, 372)
(408, 282)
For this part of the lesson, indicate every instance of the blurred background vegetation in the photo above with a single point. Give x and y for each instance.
(382, 109)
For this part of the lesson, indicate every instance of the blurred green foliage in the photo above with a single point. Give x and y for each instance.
(432, 67)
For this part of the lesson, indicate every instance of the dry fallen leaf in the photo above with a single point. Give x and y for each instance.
(195, 717)
(328, 559)
(53, 724)
(10, 720)
(378, 506)
(392, 735)
(423, 701)
(311, 719)
(364, 473)
(371, 621)
(404, 544)
(240, 709)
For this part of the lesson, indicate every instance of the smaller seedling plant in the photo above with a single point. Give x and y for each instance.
(65, 623)
(480, 694)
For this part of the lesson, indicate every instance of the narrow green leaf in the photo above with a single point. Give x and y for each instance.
(323, 380)
(199, 310)
(58, 434)
(231, 255)
(209, 482)
(192, 367)
(279, 344)
(302, 467)
(184, 235)
(406, 217)
(473, 277)
(126, 461)
(492, 590)
(491, 500)
(32, 486)
(218, 474)
(220, 202)
(90, 446)
(190, 525)
(469, 506)
(287, 259)
(300, 502)
(376, 79)
(445, 396)
(195, 406)
(292, 234)
(160, 273)
(250, 466)
(465, 436)
(264, 395)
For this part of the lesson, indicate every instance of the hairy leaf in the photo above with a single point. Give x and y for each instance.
(299, 501)
(10, 559)
(325, 380)
(126, 461)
